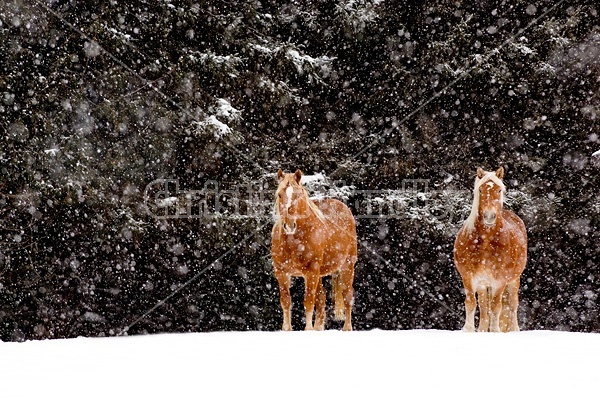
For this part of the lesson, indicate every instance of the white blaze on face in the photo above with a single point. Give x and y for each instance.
(490, 184)
(288, 191)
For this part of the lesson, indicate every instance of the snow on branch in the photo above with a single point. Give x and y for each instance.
(361, 13)
(304, 63)
(227, 63)
(222, 111)
(219, 129)
(525, 50)
(320, 186)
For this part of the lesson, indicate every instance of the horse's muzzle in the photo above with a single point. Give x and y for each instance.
(289, 230)
(489, 218)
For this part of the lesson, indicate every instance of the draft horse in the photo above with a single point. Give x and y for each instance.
(313, 239)
(490, 253)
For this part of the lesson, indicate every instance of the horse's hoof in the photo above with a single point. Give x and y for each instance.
(286, 328)
(468, 329)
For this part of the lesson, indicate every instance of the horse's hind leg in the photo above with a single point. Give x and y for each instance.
(285, 299)
(505, 312)
(496, 308)
(483, 298)
(346, 279)
(320, 303)
(513, 303)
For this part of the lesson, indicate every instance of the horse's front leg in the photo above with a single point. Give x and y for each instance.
(285, 299)
(347, 278)
(483, 298)
(470, 304)
(320, 303)
(496, 308)
(311, 281)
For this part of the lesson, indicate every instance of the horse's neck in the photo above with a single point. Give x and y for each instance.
(309, 216)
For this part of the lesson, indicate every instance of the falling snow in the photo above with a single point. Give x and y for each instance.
(140, 143)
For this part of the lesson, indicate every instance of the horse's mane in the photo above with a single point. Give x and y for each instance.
(488, 176)
(311, 205)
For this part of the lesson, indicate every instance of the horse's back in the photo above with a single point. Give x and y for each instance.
(342, 225)
(337, 213)
(515, 225)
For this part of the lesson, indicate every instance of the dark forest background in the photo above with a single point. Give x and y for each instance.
(100, 98)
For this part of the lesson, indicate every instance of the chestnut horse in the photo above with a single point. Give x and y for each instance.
(313, 239)
(490, 253)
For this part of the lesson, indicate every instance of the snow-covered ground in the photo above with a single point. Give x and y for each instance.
(417, 363)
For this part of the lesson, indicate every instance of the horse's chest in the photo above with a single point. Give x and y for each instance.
(486, 253)
(301, 250)
(487, 259)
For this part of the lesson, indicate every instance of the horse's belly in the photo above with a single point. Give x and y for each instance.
(334, 260)
(329, 268)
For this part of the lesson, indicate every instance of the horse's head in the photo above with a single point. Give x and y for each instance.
(289, 200)
(489, 191)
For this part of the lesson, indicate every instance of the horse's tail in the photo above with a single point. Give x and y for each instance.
(505, 313)
(339, 312)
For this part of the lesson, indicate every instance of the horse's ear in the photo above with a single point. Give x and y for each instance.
(480, 172)
(279, 175)
(500, 172)
(298, 175)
